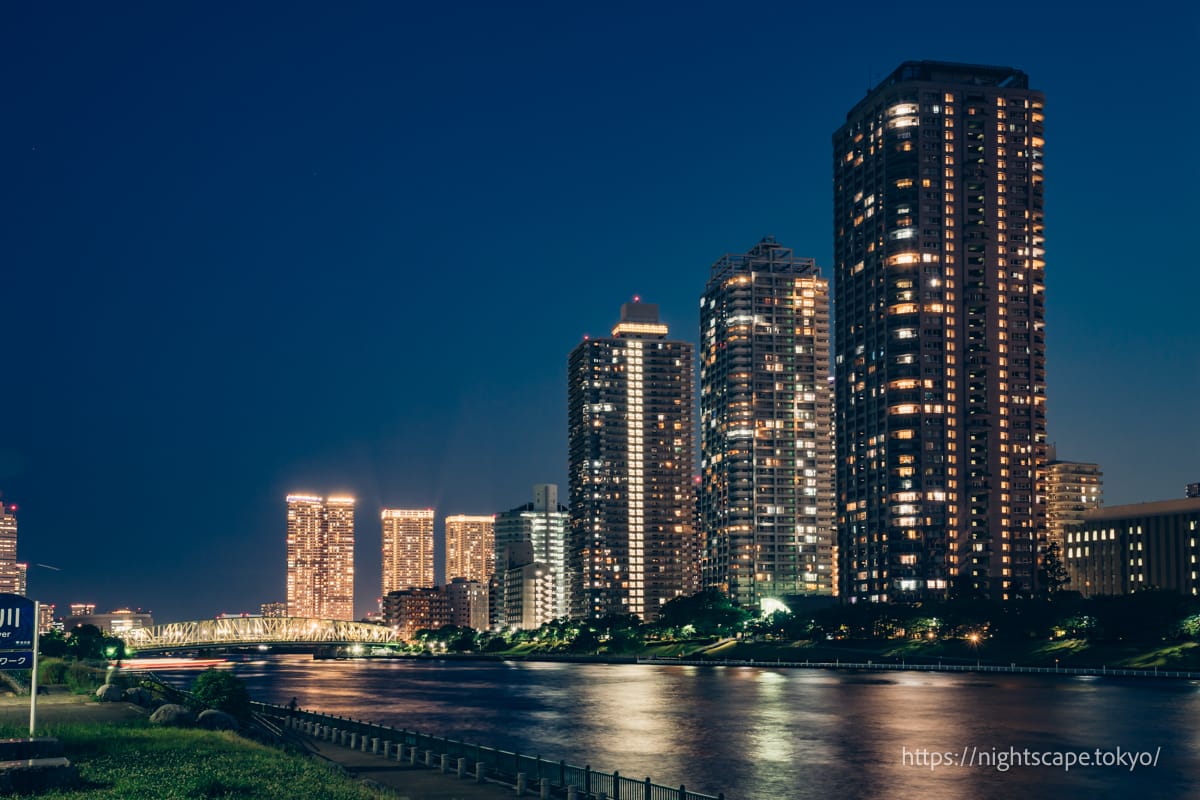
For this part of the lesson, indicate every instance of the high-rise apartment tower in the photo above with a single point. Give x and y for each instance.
(939, 279)
(470, 547)
(766, 500)
(543, 525)
(407, 549)
(320, 557)
(1073, 488)
(11, 574)
(630, 457)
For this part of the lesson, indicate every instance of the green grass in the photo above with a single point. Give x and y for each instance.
(134, 760)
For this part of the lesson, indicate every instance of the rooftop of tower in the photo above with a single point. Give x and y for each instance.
(949, 72)
(766, 256)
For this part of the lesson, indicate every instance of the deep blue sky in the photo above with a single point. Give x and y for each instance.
(254, 248)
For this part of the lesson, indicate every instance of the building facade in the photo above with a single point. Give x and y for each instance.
(939, 279)
(470, 547)
(630, 397)
(320, 557)
(407, 549)
(1072, 489)
(543, 524)
(467, 602)
(1122, 549)
(12, 578)
(409, 610)
(529, 597)
(766, 498)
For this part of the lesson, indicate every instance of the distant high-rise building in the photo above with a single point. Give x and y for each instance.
(46, 618)
(83, 609)
(543, 524)
(12, 579)
(1072, 488)
(766, 459)
(1192, 490)
(939, 286)
(633, 543)
(274, 609)
(320, 557)
(407, 549)
(470, 547)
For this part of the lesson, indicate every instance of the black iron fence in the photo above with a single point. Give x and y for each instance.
(476, 759)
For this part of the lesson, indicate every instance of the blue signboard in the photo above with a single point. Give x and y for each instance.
(17, 627)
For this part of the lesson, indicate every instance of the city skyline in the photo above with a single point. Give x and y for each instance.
(173, 227)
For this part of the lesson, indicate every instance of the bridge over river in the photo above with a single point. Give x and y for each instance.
(235, 632)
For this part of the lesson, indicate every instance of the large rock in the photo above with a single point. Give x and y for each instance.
(216, 720)
(138, 696)
(173, 715)
(110, 693)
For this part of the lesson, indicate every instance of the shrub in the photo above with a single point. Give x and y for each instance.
(83, 678)
(223, 691)
(52, 671)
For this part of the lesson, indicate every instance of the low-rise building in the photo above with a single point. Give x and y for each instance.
(1122, 549)
(407, 611)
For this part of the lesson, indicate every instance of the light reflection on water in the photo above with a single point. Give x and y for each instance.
(762, 733)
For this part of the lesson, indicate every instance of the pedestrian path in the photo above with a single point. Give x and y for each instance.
(410, 782)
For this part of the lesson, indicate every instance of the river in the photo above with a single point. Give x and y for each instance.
(757, 733)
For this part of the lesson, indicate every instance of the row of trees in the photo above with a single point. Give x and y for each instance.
(1144, 616)
(84, 642)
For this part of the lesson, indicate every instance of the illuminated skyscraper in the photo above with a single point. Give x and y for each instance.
(12, 578)
(633, 543)
(766, 499)
(543, 524)
(470, 547)
(320, 557)
(939, 279)
(407, 549)
(1072, 489)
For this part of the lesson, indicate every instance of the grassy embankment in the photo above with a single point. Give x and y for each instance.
(119, 761)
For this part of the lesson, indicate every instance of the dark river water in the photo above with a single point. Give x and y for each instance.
(760, 733)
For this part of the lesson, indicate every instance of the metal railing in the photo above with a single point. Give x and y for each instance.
(1124, 672)
(496, 764)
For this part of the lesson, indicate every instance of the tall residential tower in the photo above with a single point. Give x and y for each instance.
(630, 420)
(320, 557)
(12, 574)
(470, 547)
(766, 501)
(939, 279)
(407, 549)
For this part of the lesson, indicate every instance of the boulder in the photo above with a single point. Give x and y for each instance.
(110, 693)
(173, 715)
(215, 720)
(138, 696)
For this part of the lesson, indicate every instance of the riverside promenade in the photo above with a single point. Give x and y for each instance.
(408, 782)
(400, 780)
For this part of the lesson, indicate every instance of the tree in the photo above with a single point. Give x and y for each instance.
(222, 690)
(1052, 574)
(52, 644)
(86, 642)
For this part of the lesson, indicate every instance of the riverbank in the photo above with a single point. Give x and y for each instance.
(119, 755)
(952, 654)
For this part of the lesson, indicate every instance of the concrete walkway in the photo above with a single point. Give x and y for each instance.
(409, 782)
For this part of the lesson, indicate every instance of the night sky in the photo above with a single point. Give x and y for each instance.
(256, 248)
